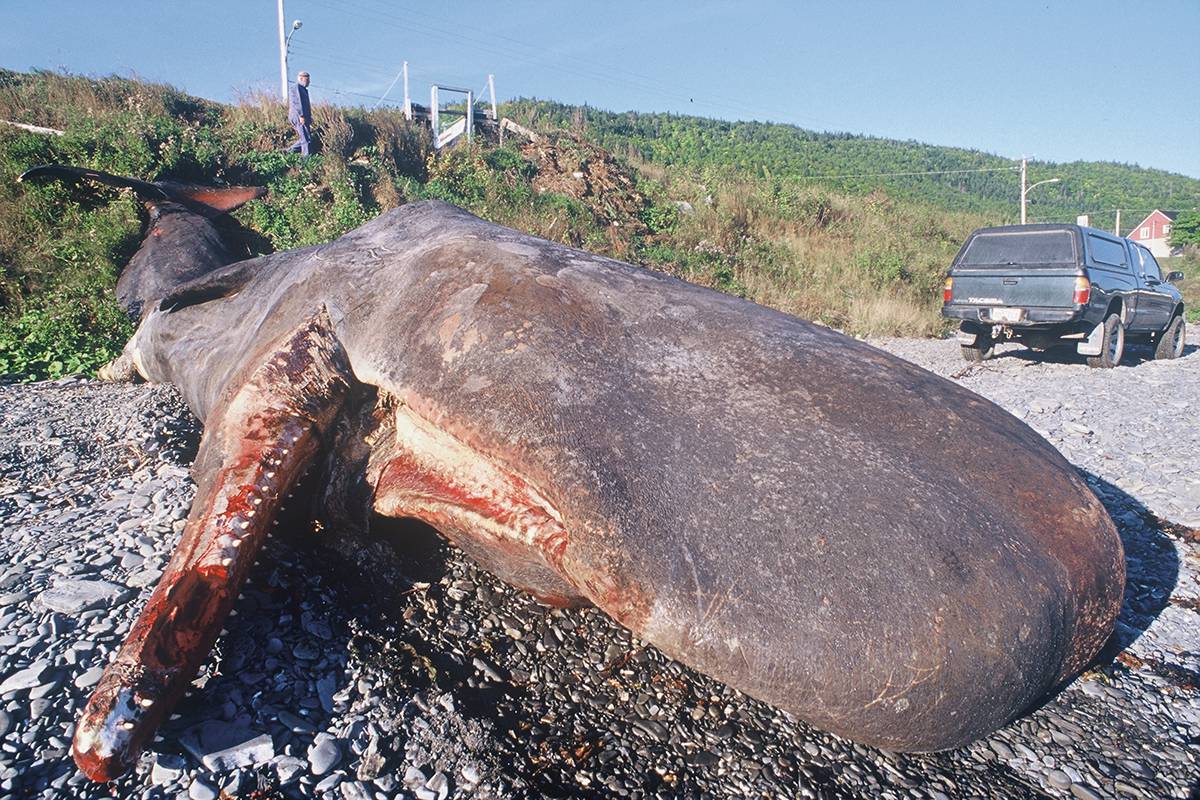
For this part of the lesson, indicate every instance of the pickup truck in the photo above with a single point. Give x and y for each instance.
(1052, 285)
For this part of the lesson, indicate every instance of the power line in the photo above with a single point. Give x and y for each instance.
(580, 68)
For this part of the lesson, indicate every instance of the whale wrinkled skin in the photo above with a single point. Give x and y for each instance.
(817, 523)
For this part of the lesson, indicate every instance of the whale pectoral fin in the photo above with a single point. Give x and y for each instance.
(219, 283)
(259, 440)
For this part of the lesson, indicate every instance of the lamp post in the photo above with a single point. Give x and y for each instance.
(284, 43)
(1025, 189)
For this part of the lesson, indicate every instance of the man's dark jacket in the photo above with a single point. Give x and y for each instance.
(298, 105)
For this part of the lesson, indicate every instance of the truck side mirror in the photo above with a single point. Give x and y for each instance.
(1174, 276)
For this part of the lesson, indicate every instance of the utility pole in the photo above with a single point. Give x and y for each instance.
(1023, 158)
(492, 92)
(283, 72)
(1117, 227)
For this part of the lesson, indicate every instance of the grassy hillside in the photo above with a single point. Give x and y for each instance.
(865, 262)
(793, 155)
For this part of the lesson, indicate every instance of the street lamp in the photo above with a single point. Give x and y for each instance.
(1025, 192)
(296, 25)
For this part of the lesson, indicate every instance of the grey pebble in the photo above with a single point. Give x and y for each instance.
(323, 754)
(202, 788)
(89, 678)
(1058, 779)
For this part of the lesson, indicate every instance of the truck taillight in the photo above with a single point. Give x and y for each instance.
(1083, 291)
(948, 290)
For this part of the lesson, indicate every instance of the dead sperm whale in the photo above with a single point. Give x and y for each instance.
(815, 522)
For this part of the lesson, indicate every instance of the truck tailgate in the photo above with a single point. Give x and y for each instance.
(1043, 288)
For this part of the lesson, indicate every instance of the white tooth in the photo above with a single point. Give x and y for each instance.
(249, 513)
(146, 702)
(284, 451)
(244, 524)
(257, 501)
(225, 562)
(270, 475)
(127, 725)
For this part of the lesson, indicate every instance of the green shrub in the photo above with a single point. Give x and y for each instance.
(67, 334)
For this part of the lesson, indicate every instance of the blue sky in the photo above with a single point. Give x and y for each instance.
(1057, 81)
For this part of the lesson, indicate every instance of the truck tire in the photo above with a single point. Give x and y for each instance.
(982, 350)
(1170, 341)
(1113, 341)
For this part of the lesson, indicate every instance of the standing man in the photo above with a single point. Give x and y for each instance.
(300, 115)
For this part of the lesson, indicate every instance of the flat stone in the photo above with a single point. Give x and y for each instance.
(353, 790)
(288, 768)
(168, 767)
(258, 750)
(88, 679)
(72, 595)
(326, 686)
(143, 578)
(1058, 779)
(323, 754)
(222, 747)
(26, 678)
(202, 789)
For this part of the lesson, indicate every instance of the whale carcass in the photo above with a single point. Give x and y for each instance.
(817, 523)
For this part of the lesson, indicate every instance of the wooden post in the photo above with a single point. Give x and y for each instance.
(1023, 190)
(433, 111)
(470, 117)
(407, 101)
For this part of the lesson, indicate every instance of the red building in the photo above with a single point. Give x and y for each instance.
(1154, 231)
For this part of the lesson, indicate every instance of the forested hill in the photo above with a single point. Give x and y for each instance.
(790, 154)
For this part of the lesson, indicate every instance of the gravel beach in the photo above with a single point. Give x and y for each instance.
(458, 686)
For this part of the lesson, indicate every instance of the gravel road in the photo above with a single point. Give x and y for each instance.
(460, 687)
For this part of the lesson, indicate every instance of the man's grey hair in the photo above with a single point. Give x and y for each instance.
(302, 74)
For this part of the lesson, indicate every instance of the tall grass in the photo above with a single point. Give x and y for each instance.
(867, 265)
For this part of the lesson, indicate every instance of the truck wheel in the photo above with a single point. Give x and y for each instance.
(1170, 341)
(982, 350)
(1113, 342)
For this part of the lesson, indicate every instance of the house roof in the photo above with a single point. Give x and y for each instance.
(1171, 215)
